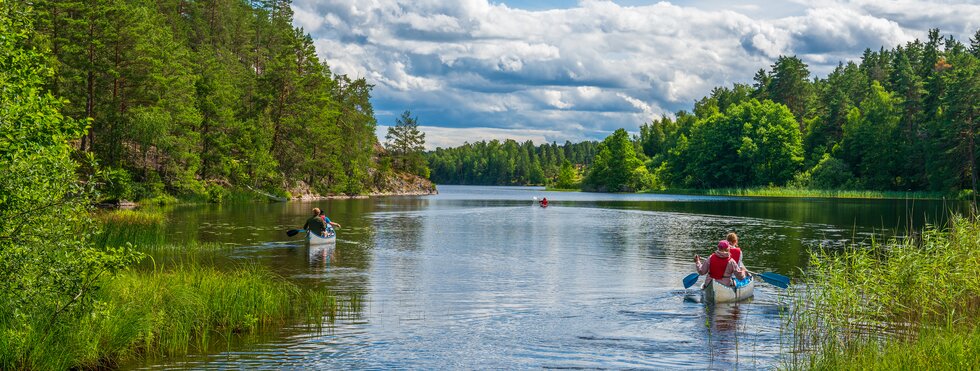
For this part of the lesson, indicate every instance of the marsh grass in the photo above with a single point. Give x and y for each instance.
(177, 310)
(138, 227)
(899, 304)
(808, 193)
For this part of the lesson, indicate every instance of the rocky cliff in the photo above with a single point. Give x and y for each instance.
(393, 184)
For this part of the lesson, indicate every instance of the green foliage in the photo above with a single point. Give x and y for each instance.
(869, 141)
(405, 143)
(753, 143)
(831, 173)
(901, 119)
(793, 192)
(48, 266)
(168, 312)
(567, 176)
(788, 85)
(941, 348)
(118, 185)
(616, 167)
(183, 95)
(873, 303)
(506, 163)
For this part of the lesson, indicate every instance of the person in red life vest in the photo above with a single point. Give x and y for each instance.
(720, 266)
(734, 250)
(544, 202)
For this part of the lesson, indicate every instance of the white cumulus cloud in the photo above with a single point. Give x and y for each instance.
(475, 67)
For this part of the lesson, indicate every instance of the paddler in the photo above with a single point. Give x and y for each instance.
(720, 266)
(734, 250)
(315, 224)
(330, 224)
(544, 202)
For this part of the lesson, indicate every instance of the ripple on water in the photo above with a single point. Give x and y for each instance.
(483, 279)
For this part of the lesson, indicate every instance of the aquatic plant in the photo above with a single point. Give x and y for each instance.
(169, 311)
(144, 227)
(902, 303)
(809, 193)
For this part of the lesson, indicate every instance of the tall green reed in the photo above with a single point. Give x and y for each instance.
(866, 300)
(137, 227)
(170, 311)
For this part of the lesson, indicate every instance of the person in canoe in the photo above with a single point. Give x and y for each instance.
(329, 223)
(720, 266)
(734, 250)
(544, 202)
(315, 224)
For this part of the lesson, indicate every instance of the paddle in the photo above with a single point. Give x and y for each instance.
(690, 280)
(293, 232)
(774, 279)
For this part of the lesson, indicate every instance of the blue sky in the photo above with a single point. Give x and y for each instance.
(559, 70)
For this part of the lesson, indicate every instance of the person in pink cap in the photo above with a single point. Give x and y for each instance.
(720, 266)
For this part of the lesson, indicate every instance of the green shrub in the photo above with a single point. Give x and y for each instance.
(831, 173)
(118, 185)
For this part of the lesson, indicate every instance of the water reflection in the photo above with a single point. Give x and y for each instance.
(321, 255)
(478, 277)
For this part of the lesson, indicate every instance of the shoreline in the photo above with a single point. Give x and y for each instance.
(317, 197)
(798, 193)
(811, 193)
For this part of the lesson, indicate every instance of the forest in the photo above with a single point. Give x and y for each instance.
(506, 163)
(900, 119)
(189, 97)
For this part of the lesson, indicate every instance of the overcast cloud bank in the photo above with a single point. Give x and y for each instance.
(472, 69)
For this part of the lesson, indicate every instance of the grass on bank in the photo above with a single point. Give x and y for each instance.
(906, 303)
(182, 309)
(178, 300)
(141, 227)
(810, 193)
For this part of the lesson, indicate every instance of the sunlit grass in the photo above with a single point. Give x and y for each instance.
(806, 193)
(898, 304)
(137, 227)
(170, 311)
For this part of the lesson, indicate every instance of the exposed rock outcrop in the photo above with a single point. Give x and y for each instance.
(393, 184)
(404, 184)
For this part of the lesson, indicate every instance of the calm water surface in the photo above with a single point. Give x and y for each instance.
(479, 277)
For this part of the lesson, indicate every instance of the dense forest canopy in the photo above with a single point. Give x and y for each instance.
(184, 95)
(898, 119)
(507, 162)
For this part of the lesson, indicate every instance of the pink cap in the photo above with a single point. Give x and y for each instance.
(723, 245)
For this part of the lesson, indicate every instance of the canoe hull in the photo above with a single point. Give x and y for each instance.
(715, 292)
(315, 240)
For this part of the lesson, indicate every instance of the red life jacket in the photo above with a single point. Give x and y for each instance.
(735, 253)
(717, 266)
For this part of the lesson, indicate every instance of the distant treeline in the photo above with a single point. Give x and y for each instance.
(897, 120)
(182, 95)
(506, 163)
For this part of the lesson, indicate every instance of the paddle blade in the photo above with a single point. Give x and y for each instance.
(690, 280)
(293, 232)
(775, 279)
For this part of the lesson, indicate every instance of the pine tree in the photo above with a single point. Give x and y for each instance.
(789, 86)
(406, 142)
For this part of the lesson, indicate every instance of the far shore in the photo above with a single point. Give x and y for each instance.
(780, 192)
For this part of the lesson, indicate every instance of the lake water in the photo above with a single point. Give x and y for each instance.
(479, 277)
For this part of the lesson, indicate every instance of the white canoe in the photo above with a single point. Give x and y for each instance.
(315, 240)
(715, 292)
